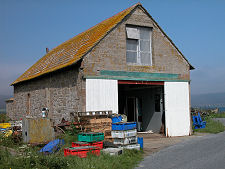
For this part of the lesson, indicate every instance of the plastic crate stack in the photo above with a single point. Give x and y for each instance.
(87, 142)
(124, 133)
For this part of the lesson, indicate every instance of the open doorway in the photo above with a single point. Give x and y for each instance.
(143, 103)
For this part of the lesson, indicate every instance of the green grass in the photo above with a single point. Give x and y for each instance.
(211, 126)
(35, 160)
(218, 115)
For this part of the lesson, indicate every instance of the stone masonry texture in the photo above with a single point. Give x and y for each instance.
(60, 91)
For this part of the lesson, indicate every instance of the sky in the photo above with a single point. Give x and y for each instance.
(197, 27)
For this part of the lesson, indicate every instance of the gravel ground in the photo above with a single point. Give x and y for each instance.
(155, 142)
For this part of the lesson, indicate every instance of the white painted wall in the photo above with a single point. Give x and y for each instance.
(177, 108)
(101, 94)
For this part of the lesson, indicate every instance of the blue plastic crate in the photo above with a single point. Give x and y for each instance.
(140, 141)
(197, 122)
(53, 146)
(116, 119)
(124, 126)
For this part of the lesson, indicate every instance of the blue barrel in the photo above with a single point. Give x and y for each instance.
(140, 141)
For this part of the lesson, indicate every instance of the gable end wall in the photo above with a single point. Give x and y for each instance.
(110, 53)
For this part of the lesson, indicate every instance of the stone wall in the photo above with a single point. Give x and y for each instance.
(110, 53)
(10, 107)
(62, 92)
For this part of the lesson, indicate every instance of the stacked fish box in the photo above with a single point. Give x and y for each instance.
(87, 142)
(124, 134)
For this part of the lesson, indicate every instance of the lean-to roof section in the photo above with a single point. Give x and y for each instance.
(72, 50)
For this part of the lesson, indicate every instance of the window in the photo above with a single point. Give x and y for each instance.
(28, 103)
(139, 45)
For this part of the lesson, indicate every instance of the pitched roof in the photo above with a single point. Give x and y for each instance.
(74, 49)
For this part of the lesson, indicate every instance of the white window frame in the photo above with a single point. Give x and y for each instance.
(138, 51)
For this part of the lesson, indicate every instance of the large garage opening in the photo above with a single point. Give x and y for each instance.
(143, 102)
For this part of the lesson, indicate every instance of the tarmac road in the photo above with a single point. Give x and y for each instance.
(202, 152)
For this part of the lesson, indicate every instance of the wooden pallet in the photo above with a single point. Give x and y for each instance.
(93, 113)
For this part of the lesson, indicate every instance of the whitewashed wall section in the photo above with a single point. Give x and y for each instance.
(101, 94)
(177, 108)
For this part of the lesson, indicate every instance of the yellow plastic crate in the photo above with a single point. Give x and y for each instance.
(5, 125)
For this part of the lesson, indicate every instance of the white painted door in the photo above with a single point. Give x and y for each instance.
(177, 108)
(101, 94)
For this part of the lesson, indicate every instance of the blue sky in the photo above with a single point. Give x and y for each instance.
(197, 27)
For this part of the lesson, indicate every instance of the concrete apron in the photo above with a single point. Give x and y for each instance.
(155, 142)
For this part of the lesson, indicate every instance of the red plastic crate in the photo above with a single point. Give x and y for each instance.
(96, 144)
(66, 152)
(79, 144)
(82, 151)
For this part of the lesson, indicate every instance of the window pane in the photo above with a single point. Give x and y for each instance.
(132, 44)
(145, 46)
(145, 58)
(132, 33)
(145, 33)
(131, 57)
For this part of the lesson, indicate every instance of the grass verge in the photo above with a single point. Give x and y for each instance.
(56, 161)
(211, 126)
(218, 115)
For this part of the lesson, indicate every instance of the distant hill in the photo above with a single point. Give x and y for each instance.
(209, 99)
(3, 98)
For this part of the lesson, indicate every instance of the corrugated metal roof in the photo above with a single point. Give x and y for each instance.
(72, 50)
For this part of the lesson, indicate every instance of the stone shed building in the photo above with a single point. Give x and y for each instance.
(126, 64)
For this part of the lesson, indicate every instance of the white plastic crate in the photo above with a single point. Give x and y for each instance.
(132, 146)
(113, 151)
(123, 133)
(125, 141)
